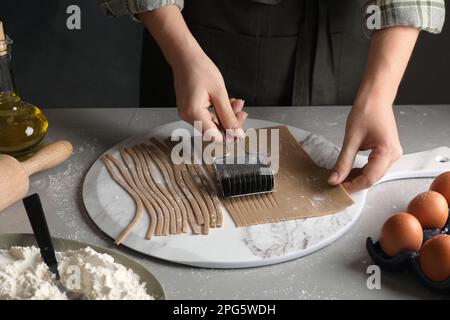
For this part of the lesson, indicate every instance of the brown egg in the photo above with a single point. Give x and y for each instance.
(442, 185)
(430, 208)
(401, 232)
(435, 258)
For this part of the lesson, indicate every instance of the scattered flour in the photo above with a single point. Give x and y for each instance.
(23, 275)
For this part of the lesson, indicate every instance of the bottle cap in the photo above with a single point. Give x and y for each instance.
(3, 42)
(2, 32)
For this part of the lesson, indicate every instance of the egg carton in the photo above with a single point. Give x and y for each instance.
(409, 260)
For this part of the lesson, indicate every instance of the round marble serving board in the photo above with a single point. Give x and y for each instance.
(111, 208)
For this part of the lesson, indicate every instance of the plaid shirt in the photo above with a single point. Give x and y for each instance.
(428, 15)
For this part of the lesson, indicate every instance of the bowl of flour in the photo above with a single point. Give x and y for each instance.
(100, 274)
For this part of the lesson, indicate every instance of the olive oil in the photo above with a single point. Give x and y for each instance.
(22, 125)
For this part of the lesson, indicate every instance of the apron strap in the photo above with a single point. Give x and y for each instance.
(332, 40)
(314, 81)
(324, 84)
(301, 95)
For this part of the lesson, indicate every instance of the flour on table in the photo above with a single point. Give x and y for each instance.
(23, 275)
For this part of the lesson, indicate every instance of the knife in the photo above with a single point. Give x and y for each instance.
(39, 225)
(38, 222)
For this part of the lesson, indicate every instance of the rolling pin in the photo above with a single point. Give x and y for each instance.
(14, 175)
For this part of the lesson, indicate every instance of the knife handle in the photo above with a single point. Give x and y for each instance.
(35, 212)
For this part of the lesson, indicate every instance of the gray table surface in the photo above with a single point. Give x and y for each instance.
(335, 272)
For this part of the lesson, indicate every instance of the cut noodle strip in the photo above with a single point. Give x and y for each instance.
(139, 207)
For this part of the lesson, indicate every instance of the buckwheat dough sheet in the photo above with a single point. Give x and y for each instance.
(301, 188)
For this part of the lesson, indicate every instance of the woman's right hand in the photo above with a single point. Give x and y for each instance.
(198, 82)
(200, 85)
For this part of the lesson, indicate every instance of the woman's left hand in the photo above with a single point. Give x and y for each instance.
(371, 122)
(368, 128)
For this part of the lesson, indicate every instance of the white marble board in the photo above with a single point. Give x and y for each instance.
(111, 208)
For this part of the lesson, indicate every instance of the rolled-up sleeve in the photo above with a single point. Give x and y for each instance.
(427, 15)
(132, 7)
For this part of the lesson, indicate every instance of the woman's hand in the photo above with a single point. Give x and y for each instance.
(371, 123)
(368, 128)
(199, 85)
(198, 82)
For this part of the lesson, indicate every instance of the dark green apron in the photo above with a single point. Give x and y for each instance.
(270, 52)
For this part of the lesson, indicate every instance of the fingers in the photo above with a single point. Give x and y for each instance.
(211, 127)
(225, 113)
(241, 117)
(353, 174)
(237, 106)
(344, 162)
(378, 164)
(202, 115)
(194, 109)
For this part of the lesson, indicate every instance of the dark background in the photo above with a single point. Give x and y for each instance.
(98, 66)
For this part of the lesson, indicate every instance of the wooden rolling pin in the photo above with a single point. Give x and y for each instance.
(14, 175)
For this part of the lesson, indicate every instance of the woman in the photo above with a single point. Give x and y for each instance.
(287, 52)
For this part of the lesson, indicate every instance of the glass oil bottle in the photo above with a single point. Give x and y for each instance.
(22, 126)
